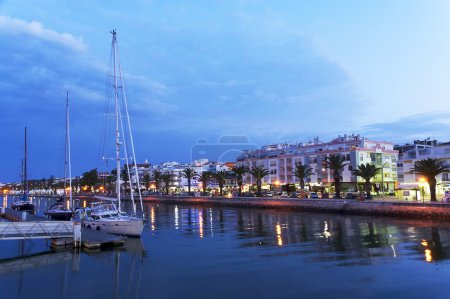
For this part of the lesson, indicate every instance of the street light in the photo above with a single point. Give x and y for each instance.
(382, 179)
(422, 182)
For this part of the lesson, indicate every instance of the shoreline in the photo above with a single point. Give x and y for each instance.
(428, 210)
(376, 207)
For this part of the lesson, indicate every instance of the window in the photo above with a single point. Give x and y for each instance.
(445, 176)
(399, 164)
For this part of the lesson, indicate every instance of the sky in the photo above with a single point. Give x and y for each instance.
(254, 72)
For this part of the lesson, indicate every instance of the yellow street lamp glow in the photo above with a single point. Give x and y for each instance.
(422, 180)
(277, 183)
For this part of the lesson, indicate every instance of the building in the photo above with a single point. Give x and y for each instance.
(280, 160)
(180, 183)
(414, 186)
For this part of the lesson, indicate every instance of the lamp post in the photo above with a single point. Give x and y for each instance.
(382, 179)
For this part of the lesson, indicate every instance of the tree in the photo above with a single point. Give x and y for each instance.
(259, 172)
(220, 178)
(204, 178)
(430, 168)
(89, 178)
(367, 172)
(302, 172)
(239, 171)
(50, 182)
(157, 177)
(146, 178)
(189, 174)
(167, 178)
(336, 163)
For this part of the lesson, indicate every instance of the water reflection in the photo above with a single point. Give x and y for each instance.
(325, 237)
(189, 251)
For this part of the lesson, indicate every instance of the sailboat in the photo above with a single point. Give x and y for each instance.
(59, 210)
(106, 215)
(24, 203)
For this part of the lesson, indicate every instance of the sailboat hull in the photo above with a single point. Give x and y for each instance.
(132, 228)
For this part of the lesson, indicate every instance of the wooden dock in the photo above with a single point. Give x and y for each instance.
(94, 239)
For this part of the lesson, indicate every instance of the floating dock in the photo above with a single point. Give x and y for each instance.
(94, 239)
(62, 233)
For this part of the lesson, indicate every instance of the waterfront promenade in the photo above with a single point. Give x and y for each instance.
(389, 206)
(376, 207)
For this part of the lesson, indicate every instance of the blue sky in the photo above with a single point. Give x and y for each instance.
(273, 71)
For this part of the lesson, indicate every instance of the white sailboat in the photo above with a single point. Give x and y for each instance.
(60, 210)
(107, 216)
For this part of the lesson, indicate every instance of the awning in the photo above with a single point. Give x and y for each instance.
(408, 186)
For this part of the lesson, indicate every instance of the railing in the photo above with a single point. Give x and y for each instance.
(36, 230)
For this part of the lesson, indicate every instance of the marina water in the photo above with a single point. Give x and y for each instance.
(189, 251)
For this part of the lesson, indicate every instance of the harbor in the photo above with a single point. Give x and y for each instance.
(230, 149)
(193, 242)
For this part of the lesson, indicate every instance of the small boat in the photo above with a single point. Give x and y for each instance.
(106, 215)
(59, 211)
(24, 203)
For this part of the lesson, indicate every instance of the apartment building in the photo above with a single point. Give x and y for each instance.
(280, 160)
(414, 186)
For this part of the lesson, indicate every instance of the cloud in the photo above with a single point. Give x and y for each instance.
(13, 26)
(406, 129)
(259, 79)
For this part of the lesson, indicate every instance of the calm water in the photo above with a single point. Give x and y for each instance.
(202, 252)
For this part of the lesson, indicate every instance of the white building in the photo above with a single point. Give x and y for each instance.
(414, 186)
(280, 160)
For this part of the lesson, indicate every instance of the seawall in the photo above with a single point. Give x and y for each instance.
(415, 210)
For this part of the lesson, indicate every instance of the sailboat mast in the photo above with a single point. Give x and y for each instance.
(67, 160)
(116, 101)
(25, 170)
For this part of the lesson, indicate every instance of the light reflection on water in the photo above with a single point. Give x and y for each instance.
(189, 251)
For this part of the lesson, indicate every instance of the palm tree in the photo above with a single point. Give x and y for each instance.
(157, 177)
(239, 171)
(336, 163)
(167, 178)
(220, 178)
(259, 172)
(189, 174)
(367, 172)
(146, 180)
(302, 172)
(204, 177)
(430, 168)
